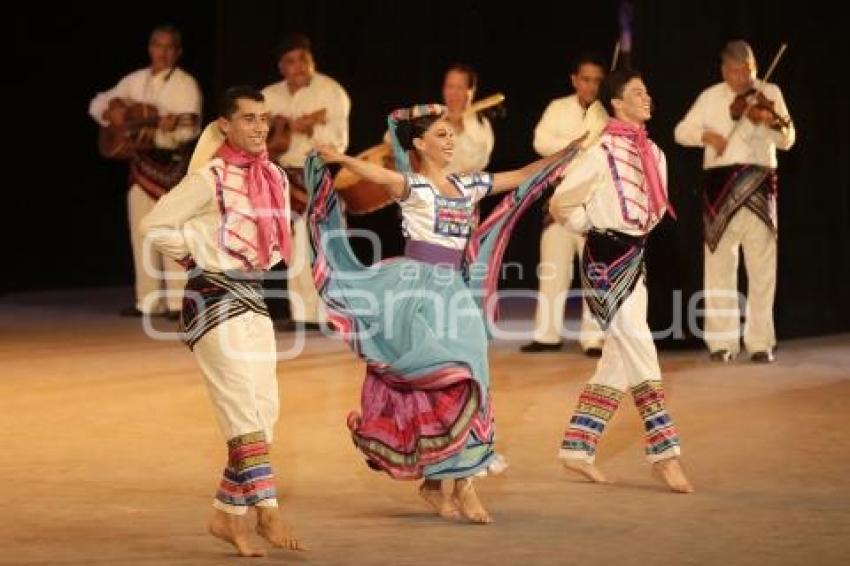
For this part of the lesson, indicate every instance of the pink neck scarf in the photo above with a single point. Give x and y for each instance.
(263, 181)
(637, 135)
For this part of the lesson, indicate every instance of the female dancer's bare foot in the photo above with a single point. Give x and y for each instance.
(671, 473)
(272, 527)
(234, 530)
(432, 492)
(586, 469)
(468, 502)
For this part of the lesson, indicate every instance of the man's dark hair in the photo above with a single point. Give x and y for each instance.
(613, 85)
(170, 30)
(231, 97)
(290, 42)
(471, 75)
(588, 58)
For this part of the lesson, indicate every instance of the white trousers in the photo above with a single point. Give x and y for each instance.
(629, 356)
(159, 279)
(629, 362)
(304, 301)
(239, 360)
(558, 247)
(722, 318)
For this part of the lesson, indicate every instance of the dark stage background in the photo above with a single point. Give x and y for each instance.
(66, 225)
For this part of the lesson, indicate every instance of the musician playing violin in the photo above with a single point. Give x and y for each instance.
(158, 157)
(740, 123)
(308, 108)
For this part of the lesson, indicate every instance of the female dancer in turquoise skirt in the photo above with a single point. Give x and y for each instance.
(419, 321)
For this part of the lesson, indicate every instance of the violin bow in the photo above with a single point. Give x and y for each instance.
(624, 42)
(616, 55)
(764, 80)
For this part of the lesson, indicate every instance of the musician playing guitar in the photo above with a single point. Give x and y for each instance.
(308, 109)
(149, 118)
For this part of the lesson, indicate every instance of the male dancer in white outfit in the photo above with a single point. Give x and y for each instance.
(562, 122)
(616, 194)
(227, 223)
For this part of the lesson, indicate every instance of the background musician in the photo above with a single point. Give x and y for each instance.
(309, 109)
(563, 121)
(473, 133)
(739, 201)
(175, 96)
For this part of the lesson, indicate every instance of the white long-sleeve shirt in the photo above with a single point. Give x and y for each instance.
(322, 92)
(561, 123)
(473, 146)
(750, 144)
(208, 216)
(610, 205)
(171, 91)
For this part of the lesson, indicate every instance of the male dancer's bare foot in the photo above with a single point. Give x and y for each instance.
(585, 469)
(468, 502)
(671, 473)
(432, 492)
(272, 527)
(234, 530)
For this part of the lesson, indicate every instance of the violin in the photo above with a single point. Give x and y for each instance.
(758, 108)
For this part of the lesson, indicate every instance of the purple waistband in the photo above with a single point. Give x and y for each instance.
(433, 253)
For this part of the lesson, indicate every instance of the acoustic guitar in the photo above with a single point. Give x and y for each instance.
(136, 132)
(280, 131)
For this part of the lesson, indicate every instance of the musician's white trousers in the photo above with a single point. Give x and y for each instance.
(303, 298)
(159, 279)
(558, 247)
(722, 318)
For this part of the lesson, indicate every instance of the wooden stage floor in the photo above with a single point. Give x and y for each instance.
(111, 456)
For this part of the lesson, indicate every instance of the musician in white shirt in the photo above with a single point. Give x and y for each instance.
(173, 92)
(316, 110)
(739, 201)
(562, 122)
(473, 133)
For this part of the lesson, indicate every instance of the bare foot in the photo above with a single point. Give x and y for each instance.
(468, 502)
(272, 527)
(353, 420)
(432, 492)
(671, 473)
(586, 469)
(234, 530)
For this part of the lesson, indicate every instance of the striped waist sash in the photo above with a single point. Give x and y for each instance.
(611, 265)
(727, 189)
(213, 298)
